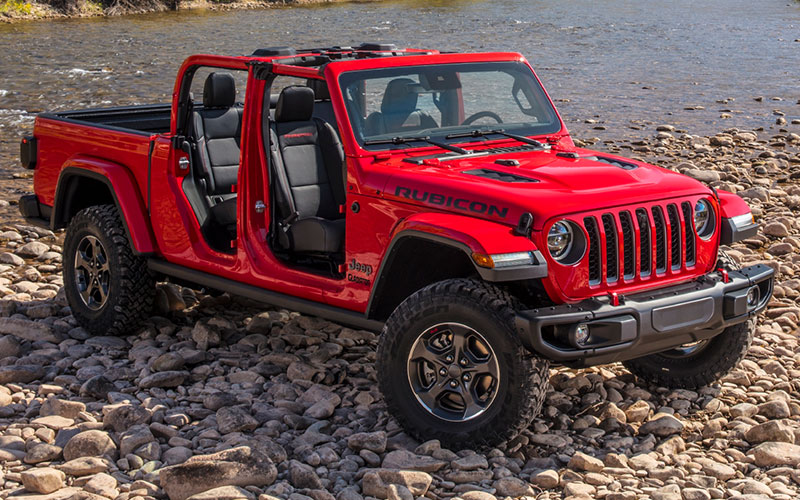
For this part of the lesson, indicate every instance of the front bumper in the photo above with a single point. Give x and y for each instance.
(646, 323)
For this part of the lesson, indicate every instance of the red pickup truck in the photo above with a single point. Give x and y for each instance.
(434, 197)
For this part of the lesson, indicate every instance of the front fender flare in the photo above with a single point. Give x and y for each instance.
(471, 236)
(123, 188)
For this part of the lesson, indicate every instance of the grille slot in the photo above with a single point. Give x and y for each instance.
(628, 245)
(645, 245)
(595, 266)
(612, 255)
(661, 239)
(688, 222)
(675, 236)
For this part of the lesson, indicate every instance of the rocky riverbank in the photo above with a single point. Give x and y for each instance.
(219, 394)
(24, 10)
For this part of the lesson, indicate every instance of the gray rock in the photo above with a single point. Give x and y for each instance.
(20, 374)
(176, 455)
(97, 388)
(405, 460)
(10, 347)
(85, 466)
(217, 400)
(163, 379)
(235, 467)
(42, 452)
(376, 483)
(511, 487)
(224, 493)
(92, 443)
(303, 476)
(776, 454)
(662, 426)
(42, 480)
(372, 441)
(235, 419)
(205, 336)
(169, 361)
(124, 416)
(32, 250)
(28, 330)
(61, 407)
(133, 438)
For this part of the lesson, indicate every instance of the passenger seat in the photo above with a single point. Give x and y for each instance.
(309, 174)
(217, 133)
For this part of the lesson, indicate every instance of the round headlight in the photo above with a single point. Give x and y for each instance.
(559, 239)
(703, 219)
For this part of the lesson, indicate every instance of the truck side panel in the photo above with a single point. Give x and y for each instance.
(59, 141)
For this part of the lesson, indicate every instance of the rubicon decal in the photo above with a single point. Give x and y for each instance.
(441, 200)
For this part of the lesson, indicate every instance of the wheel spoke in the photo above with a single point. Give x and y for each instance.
(82, 262)
(102, 292)
(421, 351)
(471, 405)
(430, 397)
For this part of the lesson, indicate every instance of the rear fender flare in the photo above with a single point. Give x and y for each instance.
(124, 190)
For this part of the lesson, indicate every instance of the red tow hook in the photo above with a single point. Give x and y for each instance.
(724, 273)
(614, 297)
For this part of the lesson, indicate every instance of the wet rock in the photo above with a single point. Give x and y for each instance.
(91, 443)
(240, 466)
(42, 480)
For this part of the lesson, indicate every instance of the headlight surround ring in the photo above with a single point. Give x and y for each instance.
(566, 242)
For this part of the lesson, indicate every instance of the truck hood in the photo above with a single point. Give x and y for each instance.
(545, 183)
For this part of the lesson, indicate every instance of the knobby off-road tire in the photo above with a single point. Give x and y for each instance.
(109, 289)
(707, 362)
(493, 356)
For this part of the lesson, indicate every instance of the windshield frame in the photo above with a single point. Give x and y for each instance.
(343, 74)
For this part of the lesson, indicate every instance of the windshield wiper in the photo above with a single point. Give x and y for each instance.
(480, 133)
(403, 140)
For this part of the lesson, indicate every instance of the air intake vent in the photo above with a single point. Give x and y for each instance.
(511, 149)
(498, 176)
(611, 161)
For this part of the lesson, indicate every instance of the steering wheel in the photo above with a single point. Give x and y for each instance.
(482, 114)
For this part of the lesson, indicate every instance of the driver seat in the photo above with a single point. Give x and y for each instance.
(399, 111)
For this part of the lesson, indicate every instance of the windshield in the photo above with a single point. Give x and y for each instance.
(445, 100)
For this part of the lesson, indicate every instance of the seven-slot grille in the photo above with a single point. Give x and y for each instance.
(635, 242)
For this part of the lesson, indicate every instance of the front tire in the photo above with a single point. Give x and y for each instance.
(109, 289)
(702, 363)
(451, 366)
(698, 365)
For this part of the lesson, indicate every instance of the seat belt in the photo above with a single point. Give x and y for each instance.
(282, 194)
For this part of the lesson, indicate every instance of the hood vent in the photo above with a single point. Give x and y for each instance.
(611, 161)
(498, 176)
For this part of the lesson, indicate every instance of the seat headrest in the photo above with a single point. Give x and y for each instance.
(295, 104)
(399, 98)
(320, 88)
(219, 91)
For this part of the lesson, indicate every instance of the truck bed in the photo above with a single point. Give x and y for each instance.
(144, 119)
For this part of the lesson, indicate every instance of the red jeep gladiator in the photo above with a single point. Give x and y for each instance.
(435, 197)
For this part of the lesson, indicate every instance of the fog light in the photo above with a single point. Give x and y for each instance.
(580, 334)
(752, 297)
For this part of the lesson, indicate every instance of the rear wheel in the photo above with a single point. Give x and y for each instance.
(109, 289)
(452, 368)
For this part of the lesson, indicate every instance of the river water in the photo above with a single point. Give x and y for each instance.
(615, 68)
